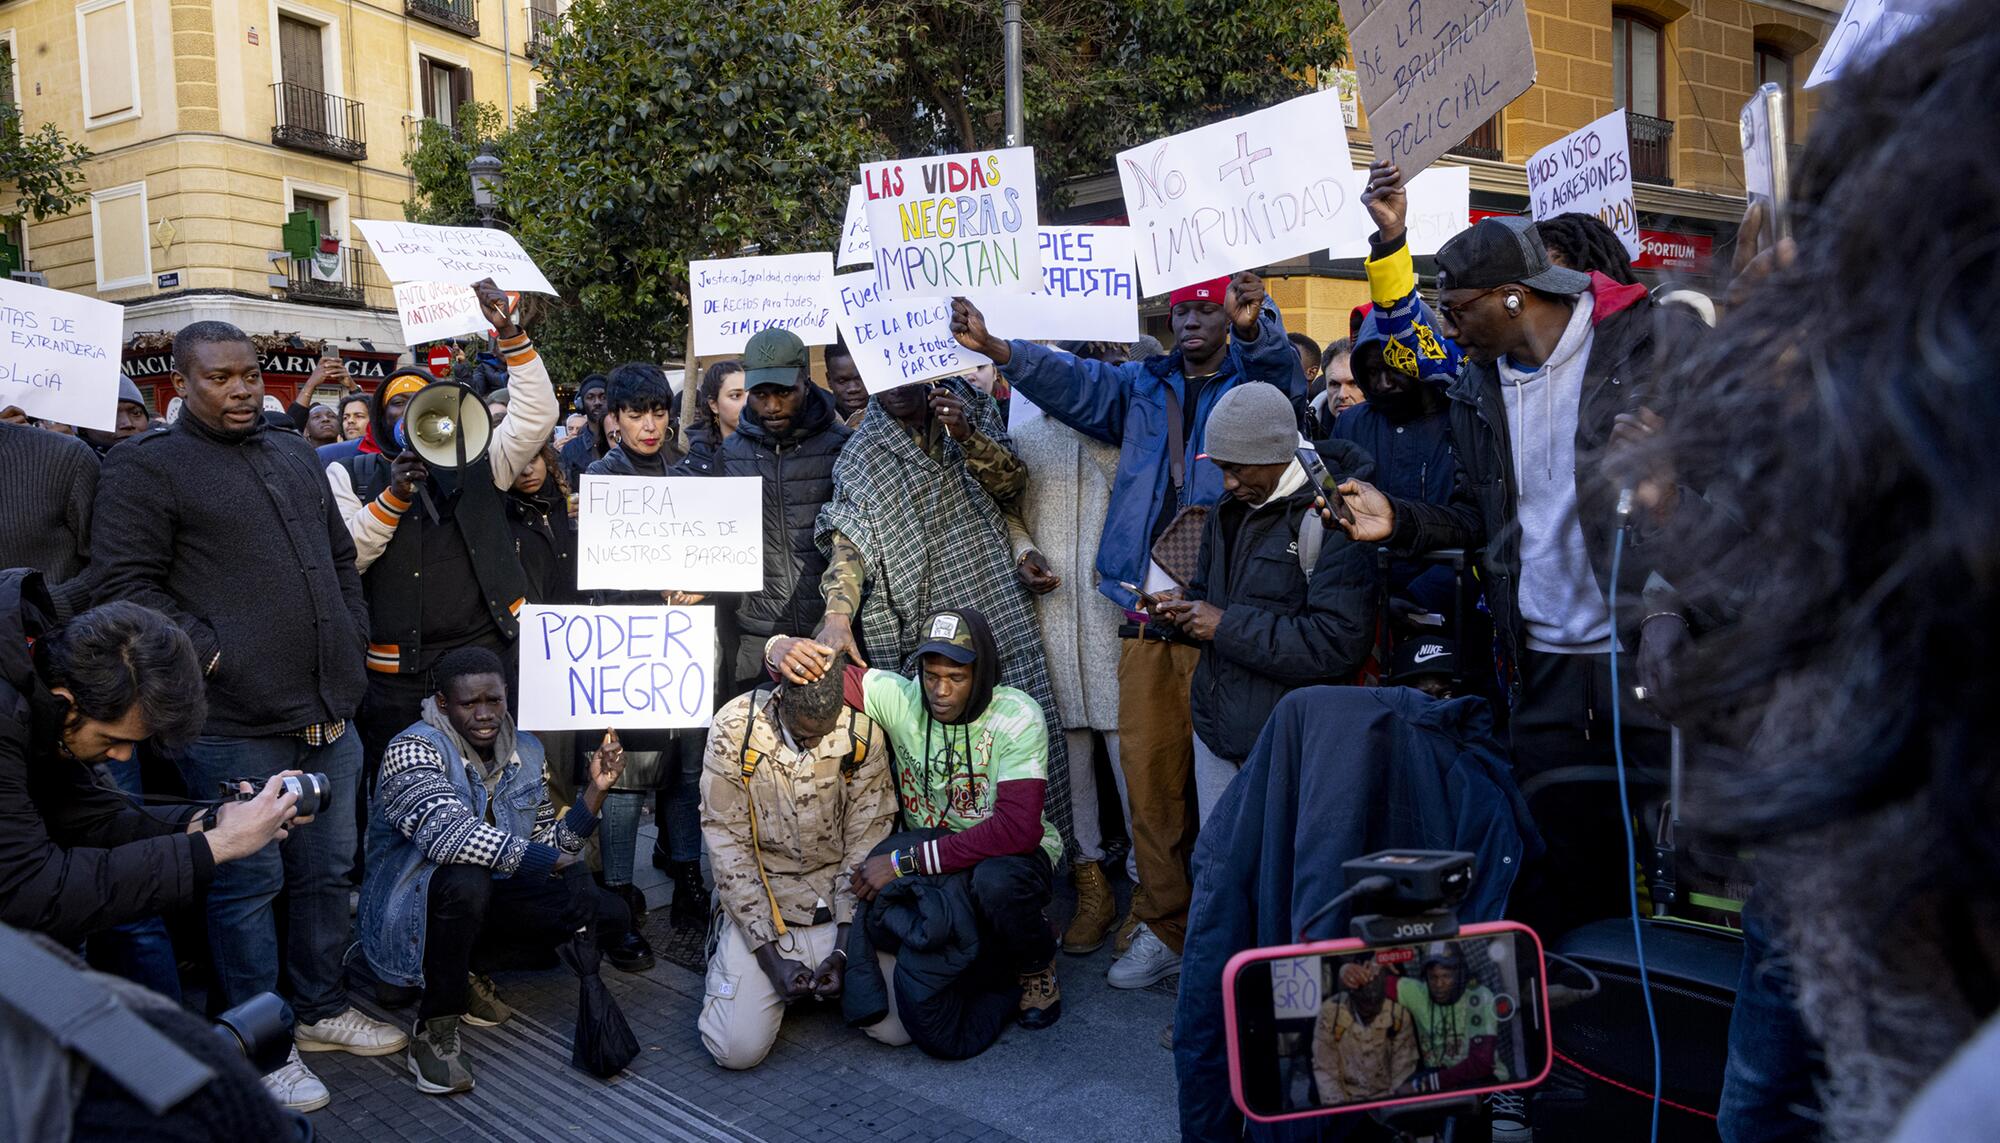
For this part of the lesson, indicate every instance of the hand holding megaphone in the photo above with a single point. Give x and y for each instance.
(406, 472)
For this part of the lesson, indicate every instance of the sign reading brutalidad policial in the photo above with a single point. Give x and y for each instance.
(1433, 71)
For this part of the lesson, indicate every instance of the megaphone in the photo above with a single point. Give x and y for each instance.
(446, 424)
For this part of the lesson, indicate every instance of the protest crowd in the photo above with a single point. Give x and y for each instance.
(1069, 643)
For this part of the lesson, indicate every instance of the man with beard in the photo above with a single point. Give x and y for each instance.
(1458, 1034)
(1364, 1044)
(588, 445)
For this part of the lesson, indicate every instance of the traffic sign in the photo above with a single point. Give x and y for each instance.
(438, 361)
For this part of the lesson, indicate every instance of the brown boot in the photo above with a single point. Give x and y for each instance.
(1041, 999)
(1095, 910)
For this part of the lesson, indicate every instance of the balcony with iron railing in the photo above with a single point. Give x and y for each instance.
(344, 287)
(458, 15)
(1652, 142)
(543, 21)
(320, 122)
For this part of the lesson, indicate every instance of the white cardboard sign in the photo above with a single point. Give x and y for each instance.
(433, 311)
(734, 298)
(1089, 291)
(589, 668)
(954, 224)
(674, 533)
(1432, 73)
(898, 341)
(1438, 204)
(1588, 171)
(461, 255)
(61, 356)
(1241, 193)
(1865, 29)
(1295, 987)
(855, 249)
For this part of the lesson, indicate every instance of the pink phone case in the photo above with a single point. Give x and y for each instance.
(1351, 944)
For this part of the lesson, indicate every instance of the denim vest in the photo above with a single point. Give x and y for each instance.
(395, 895)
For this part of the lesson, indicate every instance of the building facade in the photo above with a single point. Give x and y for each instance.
(1680, 70)
(214, 124)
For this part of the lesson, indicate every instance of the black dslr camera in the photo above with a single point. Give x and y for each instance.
(315, 793)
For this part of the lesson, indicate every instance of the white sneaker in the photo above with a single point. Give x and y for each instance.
(1508, 1113)
(1148, 961)
(351, 1032)
(296, 1087)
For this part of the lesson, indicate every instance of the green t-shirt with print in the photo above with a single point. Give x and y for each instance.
(936, 783)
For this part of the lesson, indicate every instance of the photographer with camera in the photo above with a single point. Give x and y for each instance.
(76, 856)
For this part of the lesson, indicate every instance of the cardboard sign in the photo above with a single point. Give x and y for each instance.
(954, 224)
(898, 341)
(855, 249)
(1241, 193)
(1089, 291)
(733, 298)
(1864, 30)
(1438, 204)
(61, 355)
(674, 533)
(1588, 171)
(1295, 988)
(1432, 74)
(460, 255)
(589, 668)
(433, 311)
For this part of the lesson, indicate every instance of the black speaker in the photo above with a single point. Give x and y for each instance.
(1603, 1074)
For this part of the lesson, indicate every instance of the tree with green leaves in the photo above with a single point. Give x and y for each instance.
(676, 130)
(41, 171)
(440, 160)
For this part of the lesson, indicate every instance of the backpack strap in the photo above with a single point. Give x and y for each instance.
(1312, 536)
(747, 761)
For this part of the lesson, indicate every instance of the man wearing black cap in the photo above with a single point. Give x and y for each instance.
(789, 436)
(972, 758)
(132, 417)
(1555, 362)
(587, 447)
(1427, 663)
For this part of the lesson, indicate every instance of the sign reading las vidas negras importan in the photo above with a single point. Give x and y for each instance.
(954, 224)
(1432, 71)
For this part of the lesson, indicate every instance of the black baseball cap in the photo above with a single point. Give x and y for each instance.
(948, 634)
(1497, 251)
(1419, 655)
(773, 357)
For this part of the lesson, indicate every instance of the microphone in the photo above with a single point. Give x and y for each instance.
(1624, 503)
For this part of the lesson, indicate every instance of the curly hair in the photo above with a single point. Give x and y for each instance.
(703, 419)
(1849, 556)
(1584, 243)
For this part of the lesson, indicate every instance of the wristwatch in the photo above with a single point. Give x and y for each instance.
(906, 863)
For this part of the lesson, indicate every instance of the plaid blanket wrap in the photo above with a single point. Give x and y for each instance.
(933, 539)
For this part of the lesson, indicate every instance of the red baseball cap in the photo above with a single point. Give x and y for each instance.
(1214, 290)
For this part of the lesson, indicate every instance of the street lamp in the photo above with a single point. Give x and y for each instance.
(486, 175)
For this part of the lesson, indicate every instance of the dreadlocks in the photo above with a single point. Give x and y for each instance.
(1581, 242)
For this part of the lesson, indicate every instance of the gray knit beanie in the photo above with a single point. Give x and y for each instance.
(1252, 424)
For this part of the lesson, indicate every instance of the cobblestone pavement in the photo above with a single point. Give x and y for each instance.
(1099, 1074)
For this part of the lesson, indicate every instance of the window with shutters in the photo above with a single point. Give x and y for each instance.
(310, 113)
(108, 53)
(1774, 65)
(444, 87)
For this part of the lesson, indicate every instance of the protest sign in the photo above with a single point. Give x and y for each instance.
(733, 298)
(855, 249)
(1089, 292)
(1588, 171)
(1437, 205)
(1432, 73)
(62, 355)
(954, 224)
(1295, 988)
(1244, 192)
(1864, 30)
(433, 311)
(588, 668)
(675, 533)
(461, 255)
(898, 341)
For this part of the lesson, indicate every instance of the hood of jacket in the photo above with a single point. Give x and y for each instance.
(379, 428)
(816, 415)
(25, 612)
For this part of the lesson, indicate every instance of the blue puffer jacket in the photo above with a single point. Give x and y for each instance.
(1340, 772)
(395, 895)
(1126, 405)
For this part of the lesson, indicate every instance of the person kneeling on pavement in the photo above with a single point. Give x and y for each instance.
(466, 856)
(972, 759)
(795, 793)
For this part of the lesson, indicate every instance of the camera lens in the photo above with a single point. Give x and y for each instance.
(259, 1028)
(315, 793)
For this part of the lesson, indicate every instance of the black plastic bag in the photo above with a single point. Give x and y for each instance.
(603, 1043)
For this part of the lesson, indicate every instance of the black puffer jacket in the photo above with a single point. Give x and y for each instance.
(953, 1003)
(798, 479)
(76, 856)
(545, 539)
(1278, 631)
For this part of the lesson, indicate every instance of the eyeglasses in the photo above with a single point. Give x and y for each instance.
(1452, 313)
